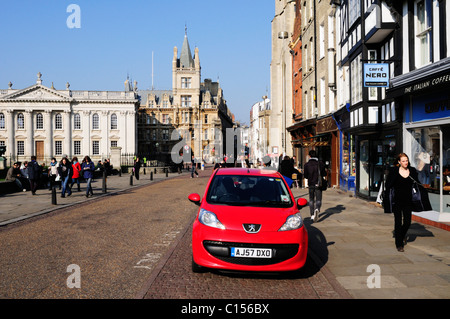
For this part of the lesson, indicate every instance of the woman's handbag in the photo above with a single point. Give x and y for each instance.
(420, 200)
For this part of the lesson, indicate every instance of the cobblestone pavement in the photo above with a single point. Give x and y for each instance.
(176, 281)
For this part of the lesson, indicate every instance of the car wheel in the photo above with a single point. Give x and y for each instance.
(197, 268)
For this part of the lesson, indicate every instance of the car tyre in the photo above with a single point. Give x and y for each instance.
(197, 268)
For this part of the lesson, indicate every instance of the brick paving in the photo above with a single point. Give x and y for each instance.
(175, 280)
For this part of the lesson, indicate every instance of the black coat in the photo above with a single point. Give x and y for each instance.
(391, 181)
(311, 171)
(34, 170)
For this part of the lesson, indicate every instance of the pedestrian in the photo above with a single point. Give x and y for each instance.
(53, 173)
(400, 178)
(76, 169)
(193, 167)
(14, 175)
(34, 174)
(137, 167)
(65, 171)
(88, 168)
(311, 173)
(287, 169)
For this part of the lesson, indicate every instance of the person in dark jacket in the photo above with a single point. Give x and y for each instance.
(65, 171)
(34, 174)
(287, 168)
(311, 173)
(400, 178)
(137, 167)
(87, 169)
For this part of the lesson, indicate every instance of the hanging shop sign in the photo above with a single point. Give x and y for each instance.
(376, 75)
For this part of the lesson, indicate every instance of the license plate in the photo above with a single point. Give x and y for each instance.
(251, 252)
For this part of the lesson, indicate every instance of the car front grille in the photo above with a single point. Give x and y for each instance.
(280, 252)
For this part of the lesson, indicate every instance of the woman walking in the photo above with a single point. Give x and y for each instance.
(87, 167)
(400, 179)
(53, 172)
(76, 167)
(65, 171)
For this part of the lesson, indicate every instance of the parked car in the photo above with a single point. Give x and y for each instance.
(248, 220)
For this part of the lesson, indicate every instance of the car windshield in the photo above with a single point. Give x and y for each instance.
(239, 190)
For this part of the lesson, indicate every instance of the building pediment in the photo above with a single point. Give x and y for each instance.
(37, 93)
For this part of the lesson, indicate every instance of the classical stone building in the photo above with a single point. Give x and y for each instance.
(193, 111)
(47, 122)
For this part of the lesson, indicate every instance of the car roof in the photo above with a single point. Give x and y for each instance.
(247, 171)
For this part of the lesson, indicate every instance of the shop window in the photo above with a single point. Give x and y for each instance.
(433, 162)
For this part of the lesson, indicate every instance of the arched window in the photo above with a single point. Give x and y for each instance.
(77, 122)
(95, 122)
(58, 121)
(2, 121)
(113, 121)
(39, 121)
(20, 121)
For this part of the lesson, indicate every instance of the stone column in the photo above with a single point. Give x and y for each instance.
(29, 145)
(11, 143)
(68, 133)
(48, 147)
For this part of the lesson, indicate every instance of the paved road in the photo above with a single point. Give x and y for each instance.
(116, 241)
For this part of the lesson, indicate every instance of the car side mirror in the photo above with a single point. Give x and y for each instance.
(194, 198)
(301, 202)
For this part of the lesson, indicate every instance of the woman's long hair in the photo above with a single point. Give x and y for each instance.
(399, 156)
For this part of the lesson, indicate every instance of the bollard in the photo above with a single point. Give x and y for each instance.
(167, 172)
(154, 170)
(144, 171)
(53, 195)
(104, 182)
(131, 179)
(120, 172)
(151, 176)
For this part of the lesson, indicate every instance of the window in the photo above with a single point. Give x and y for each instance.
(113, 121)
(423, 40)
(20, 148)
(95, 122)
(165, 135)
(2, 121)
(20, 122)
(322, 96)
(77, 122)
(206, 118)
(58, 147)
(39, 121)
(165, 119)
(321, 41)
(95, 147)
(77, 147)
(185, 101)
(356, 84)
(58, 121)
(373, 114)
(113, 143)
(185, 83)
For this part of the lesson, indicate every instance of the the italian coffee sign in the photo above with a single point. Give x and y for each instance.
(376, 75)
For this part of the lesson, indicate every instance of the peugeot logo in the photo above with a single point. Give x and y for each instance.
(252, 228)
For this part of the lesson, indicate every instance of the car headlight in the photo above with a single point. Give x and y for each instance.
(209, 219)
(292, 222)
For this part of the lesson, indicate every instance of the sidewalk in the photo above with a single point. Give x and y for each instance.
(354, 239)
(22, 205)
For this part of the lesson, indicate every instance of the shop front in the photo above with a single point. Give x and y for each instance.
(425, 97)
(322, 136)
(366, 151)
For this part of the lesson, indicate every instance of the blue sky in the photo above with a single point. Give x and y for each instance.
(117, 38)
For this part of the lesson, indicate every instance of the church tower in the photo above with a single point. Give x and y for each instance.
(186, 76)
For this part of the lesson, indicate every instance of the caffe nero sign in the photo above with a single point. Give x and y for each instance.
(376, 75)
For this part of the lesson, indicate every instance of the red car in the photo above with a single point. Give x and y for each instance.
(248, 221)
